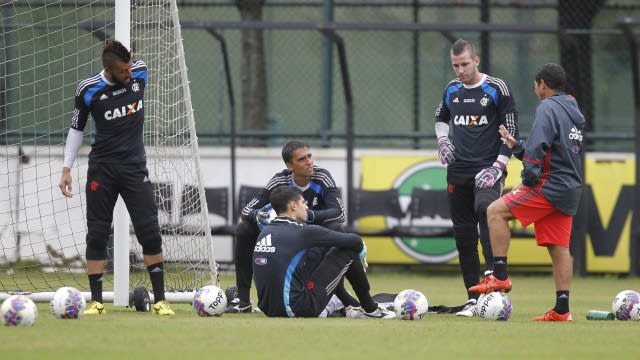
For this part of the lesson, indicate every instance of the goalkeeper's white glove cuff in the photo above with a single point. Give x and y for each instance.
(500, 165)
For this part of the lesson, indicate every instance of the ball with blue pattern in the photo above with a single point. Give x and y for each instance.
(68, 303)
(626, 305)
(18, 310)
(494, 306)
(410, 304)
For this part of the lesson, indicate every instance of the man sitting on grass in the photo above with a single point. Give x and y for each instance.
(298, 267)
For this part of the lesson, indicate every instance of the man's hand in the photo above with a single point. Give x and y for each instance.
(506, 137)
(486, 178)
(65, 182)
(529, 178)
(446, 150)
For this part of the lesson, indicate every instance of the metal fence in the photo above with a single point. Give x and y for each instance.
(398, 75)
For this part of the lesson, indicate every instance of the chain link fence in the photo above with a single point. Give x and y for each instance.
(398, 76)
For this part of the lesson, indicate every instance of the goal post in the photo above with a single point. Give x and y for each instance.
(120, 214)
(46, 49)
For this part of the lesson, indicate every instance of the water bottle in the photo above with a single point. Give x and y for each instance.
(600, 315)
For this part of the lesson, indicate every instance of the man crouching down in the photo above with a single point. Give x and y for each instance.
(298, 267)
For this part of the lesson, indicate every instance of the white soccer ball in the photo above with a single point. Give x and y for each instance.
(626, 305)
(494, 306)
(19, 310)
(68, 303)
(210, 300)
(410, 304)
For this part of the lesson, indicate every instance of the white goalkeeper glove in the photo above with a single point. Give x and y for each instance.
(265, 215)
(488, 177)
(446, 150)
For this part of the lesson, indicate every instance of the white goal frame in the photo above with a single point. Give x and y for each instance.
(191, 233)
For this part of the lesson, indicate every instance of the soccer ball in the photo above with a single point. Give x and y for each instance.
(210, 300)
(410, 304)
(494, 306)
(626, 305)
(19, 310)
(68, 303)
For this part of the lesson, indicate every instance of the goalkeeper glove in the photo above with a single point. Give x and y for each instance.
(310, 216)
(446, 150)
(363, 256)
(264, 216)
(488, 177)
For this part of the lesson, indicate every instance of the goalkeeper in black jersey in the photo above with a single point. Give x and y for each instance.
(298, 267)
(474, 105)
(117, 166)
(319, 190)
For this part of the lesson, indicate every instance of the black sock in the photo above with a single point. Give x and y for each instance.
(562, 302)
(345, 297)
(243, 294)
(156, 274)
(500, 267)
(95, 284)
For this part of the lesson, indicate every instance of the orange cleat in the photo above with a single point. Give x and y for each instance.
(551, 315)
(490, 284)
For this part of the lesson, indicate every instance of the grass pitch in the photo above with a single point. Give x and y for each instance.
(126, 334)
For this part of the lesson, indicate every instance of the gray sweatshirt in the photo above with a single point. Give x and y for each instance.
(551, 155)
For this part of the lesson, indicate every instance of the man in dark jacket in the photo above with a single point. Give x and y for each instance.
(550, 191)
(326, 208)
(298, 267)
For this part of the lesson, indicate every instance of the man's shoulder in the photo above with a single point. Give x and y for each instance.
(87, 83)
(138, 65)
(453, 85)
(323, 176)
(499, 84)
(321, 170)
(281, 178)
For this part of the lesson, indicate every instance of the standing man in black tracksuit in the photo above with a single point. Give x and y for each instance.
(551, 188)
(298, 267)
(326, 208)
(117, 166)
(475, 104)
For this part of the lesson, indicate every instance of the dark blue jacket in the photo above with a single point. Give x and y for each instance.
(280, 251)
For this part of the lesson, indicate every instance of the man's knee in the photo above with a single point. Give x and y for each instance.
(498, 210)
(333, 225)
(483, 199)
(148, 234)
(97, 236)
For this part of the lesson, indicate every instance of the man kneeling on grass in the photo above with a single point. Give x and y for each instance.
(298, 267)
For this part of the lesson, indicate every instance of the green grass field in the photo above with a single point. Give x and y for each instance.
(126, 334)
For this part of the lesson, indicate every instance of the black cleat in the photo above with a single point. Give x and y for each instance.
(237, 306)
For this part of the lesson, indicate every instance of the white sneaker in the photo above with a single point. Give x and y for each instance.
(380, 313)
(469, 310)
(354, 312)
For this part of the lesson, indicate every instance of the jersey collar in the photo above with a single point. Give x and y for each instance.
(104, 78)
(482, 80)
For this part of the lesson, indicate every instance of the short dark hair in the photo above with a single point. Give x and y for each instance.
(553, 75)
(282, 196)
(114, 50)
(460, 45)
(290, 147)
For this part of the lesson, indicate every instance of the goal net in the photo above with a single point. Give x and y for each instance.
(46, 48)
